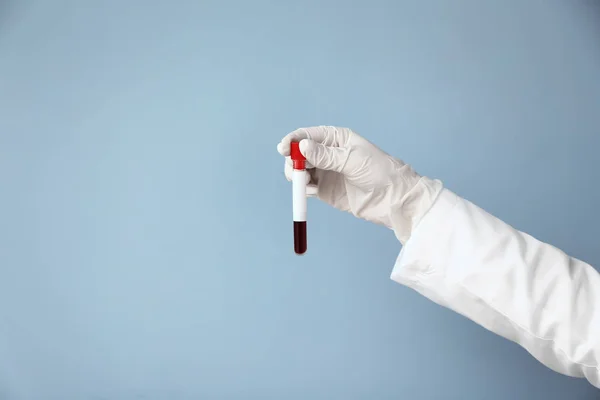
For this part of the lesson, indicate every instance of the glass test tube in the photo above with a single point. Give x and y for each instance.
(299, 179)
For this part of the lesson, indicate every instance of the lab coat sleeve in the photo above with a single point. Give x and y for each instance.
(530, 292)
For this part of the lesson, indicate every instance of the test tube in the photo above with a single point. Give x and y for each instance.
(299, 198)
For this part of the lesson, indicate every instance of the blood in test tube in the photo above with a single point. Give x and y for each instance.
(299, 198)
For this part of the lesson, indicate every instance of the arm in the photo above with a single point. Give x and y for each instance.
(459, 256)
(532, 293)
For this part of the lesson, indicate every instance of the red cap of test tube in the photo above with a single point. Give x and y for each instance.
(298, 159)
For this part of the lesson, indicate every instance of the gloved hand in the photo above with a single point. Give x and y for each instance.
(352, 174)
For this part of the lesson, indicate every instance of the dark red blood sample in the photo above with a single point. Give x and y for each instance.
(300, 237)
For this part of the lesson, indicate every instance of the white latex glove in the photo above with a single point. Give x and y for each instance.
(352, 174)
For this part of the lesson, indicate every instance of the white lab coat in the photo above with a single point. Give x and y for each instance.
(530, 292)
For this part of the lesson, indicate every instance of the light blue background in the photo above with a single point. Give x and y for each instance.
(145, 223)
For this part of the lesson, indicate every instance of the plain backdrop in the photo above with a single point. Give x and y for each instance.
(145, 222)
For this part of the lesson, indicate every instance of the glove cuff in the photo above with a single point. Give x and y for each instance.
(408, 212)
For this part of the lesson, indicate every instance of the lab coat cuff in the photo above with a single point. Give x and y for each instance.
(417, 259)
